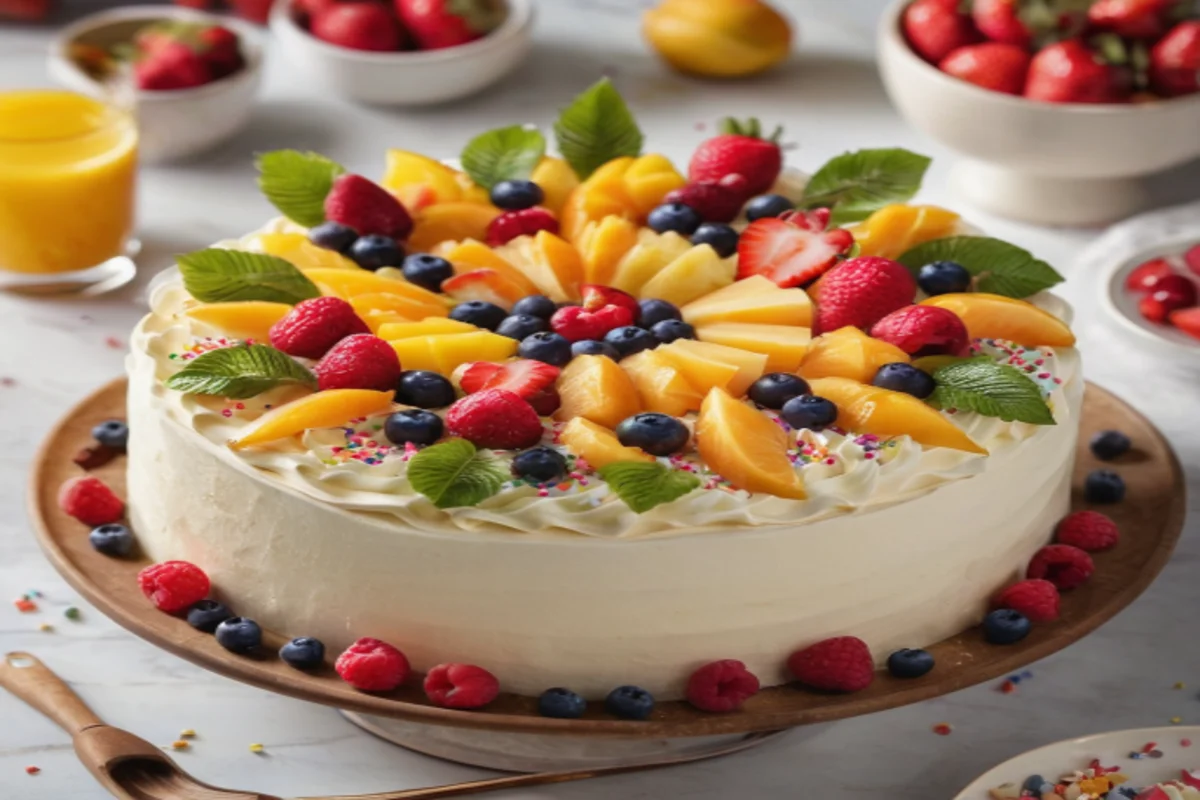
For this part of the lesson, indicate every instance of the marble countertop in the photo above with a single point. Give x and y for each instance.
(830, 100)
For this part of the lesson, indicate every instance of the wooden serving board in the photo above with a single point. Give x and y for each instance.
(1151, 520)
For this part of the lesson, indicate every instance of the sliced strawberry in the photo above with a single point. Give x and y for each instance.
(1186, 320)
(1192, 259)
(471, 377)
(1146, 275)
(595, 297)
(788, 251)
(524, 378)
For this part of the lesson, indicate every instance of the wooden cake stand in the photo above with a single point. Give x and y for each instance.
(509, 734)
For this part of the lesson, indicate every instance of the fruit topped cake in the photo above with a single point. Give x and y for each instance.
(590, 420)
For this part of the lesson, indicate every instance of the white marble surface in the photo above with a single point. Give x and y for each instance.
(830, 100)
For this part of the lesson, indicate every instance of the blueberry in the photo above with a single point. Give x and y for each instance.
(424, 389)
(413, 425)
(629, 702)
(427, 271)
(655, 311)
(721, 238)
(303, 653)
(1104, 486)
(112, 540)
(548, 347)
(333, 236)
(669, 330)
(517, 195)
(113, 434)
(1034, 783)
(376, 252)
(1106, 445)
(480, 313)
(239, 635)
(1005, 626)
(768, 205)
(540, 464)
(943, 277)
(776, 388)
(535, 305)
(630, 339)
(561, 703)
(809, 411)
(909, 663)
(207, 615)
(657, 434)
(519, 326)
(901, 377)
(594, 347)
(674, 217)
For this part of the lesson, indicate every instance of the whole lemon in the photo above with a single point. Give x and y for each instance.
(718, 38)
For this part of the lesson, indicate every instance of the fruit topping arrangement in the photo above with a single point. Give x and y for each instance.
(167, 56)
(1062, 51)
(397, 25)
(1166, 290)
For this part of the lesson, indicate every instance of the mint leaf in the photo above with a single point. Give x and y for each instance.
(643, 485)
(296, 183)
(998, 267)
(596, 128)
(222, 276)
(504, 154)
(454, 473)
(991, 389)
(242, 371)
(855, 185)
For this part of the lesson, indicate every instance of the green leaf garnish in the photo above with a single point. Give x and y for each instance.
(296, 183)
(454, 473)
(241, 371)
(223, 276)
(994, 390)
(855, 185)
(643, 486)
(504, 154)
(998, 267)
(596, 128)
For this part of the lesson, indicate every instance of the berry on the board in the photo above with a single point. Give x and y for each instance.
(90, 501)
(1175, 61)
(654, 311)
(112, 539)
(374, 251)
(461, 686)
(630, 340)
(657, 434)
(535, 305)
(1065, 566)
(1109, 445)
(943, 277)
(511, 224)
(1145, 276)
(517, 195)
(669, 330)
(358, 26)
(996, 66)
(594, 347)
(239, 635)
(629, 702)
(560, 703)
(934, 28)
(766, 206)
(1006, 626)
(577, 323)
(427, 271)
(861, 292)
(840, 664)
(676, 217)
(910, 663)
(173, 585)
(370, 665)
(303, 653)
(1036, 599)
(314, 326)
(721, 686)
(792, 250)
(714, 202)
(776, 388)
(413, 425)
(1104, 486)
(1088, 530)
(809, 411)
(480, 313)
(520, 326)
(206, 615)
(424, 389)
(523, 377)
(540, 464)
(548, 347)
(495, 418)
(361, 361)
(437, 24)
(721, 238)
(113, 434)
(367, 207)
(740, 149)
(901, 377)
(333, 236)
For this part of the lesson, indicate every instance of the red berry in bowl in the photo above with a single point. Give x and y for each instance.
(358, 26)
(1068, 72)
(1171, 293)
(990, 65)
(1186, 320)
(1192, 259)
(934, 28)
(1175, 61)
(1133, 19)
(1000, 21)
(1145, 276)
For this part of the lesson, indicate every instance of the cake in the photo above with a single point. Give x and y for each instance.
(691, 497)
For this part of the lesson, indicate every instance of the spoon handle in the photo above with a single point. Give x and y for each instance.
(32, 681)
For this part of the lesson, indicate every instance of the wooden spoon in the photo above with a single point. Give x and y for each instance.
(133, 769)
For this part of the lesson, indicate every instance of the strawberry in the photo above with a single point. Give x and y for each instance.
(221, 50)
(840, 664)
(1068, 72)
(1088, 530)
(593, 296)
(792, 249)
(935, 28)
(495, 418)
(314, 326)
(305, 10)
(172, 65)
(1186, 320)
(358, 26)
(714, 202)
(526, 222)
(1065, 566)
(524, 377)
(1171, 293)
(739, 150)
(1000, 21)
(924, 331)
(1192, 260)
(24, 9)
(1035, 598)
(253, 10)
(200, 5)
(367, 207)
(1145, 276)
(361, 361)
(862, 291)
(1175, 61)
(436, 24)
(992, 65)
(1133, 19)
(546, 402)
(577, 323)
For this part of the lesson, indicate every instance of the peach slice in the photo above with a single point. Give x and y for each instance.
(869, 409)
(694, 274)
(601, 195)
(484, 284)
(398, 304)
(895, 229)
(602, 245)
(993, 316)
(557, 180)
(707, 365)
(450, 222)
(443, 352)
(660, 385)
(597, 445)
(427, 327)
(550, 262)
(652, 253)
(410, 175)
(348, 284)
(376, 319)
(783, 345)
(300, 252)
(848, 353)
(648, 180)
(753, 299)
(247, 319)
(595, 388)
(471, 255)
(745, 447)
(329, 409)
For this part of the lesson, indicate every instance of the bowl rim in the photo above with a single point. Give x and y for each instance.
(889, 33)
(517, 23)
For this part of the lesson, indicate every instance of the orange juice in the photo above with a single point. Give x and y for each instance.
(67, 169)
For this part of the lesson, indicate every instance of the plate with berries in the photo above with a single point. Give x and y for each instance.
(1154, 297)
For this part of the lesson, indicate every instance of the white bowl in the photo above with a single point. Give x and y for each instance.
(172, 125)
(1048, 163)
(407, 78)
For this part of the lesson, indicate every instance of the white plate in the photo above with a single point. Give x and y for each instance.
(1122, 305)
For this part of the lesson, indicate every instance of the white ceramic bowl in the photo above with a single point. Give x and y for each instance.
(1047, 163)
(172, 125)
(407, 78)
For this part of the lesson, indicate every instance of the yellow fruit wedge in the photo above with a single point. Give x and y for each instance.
(248, 319)
(602, 194)
(697, 272)
(661, 387)
(407, 171)
(472, 255)
(745, 447)
(754, 299)
(893, 230)
(450, 222)
(993, 316)
(869, 409)
(597, 445)
(646, 260)
(428, 327)
(706, 365)
(596, 389)
(484, 284)
(328, 409)
(377, 319)
(602, 245)
(557, 180)
(848, 353)
(351, 283)
(552, 263)
(783, 345)
(648, 180)
(400, 305)
(443, 352)
(296, 249)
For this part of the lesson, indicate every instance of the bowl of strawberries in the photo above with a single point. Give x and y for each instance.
(404, 52)
(1060, 107)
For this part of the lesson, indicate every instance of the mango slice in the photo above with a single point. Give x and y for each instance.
(993, 316)
(450, 222)
(783, 345)
(597, 445)
(296, 249)
(329, 409)
(696, 273)
(602, 245)
(707, 365)
(557, 180)
(848, 353)
(893, 230)
(596, 389)
(444, 352)
(746, 447)
(248, 319)
(661, 386)
(754, 299)
(427, 327)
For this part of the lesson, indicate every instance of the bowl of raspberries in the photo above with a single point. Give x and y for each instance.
(404, 52)
(1060, 107)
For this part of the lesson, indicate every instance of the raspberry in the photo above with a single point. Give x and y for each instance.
(840, 664)
(526, 222)
(495, 418)
(714, 202)
(577, 323)
(924, 331)
(461, 686)
(372, 666)
(90, 501)
(1088, 530)
(314, 326)
(860, 292)
(1036, 599)
(721, 686)
(367, 207)
(361, 361)
(174, 585)
(1065, 566)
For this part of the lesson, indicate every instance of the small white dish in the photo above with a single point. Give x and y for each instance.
(407, 78)
(172, 125)
(1121, 305)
